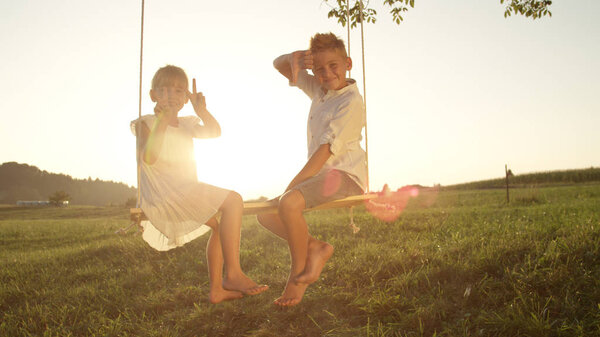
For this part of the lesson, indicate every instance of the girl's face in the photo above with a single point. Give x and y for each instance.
(171, 95)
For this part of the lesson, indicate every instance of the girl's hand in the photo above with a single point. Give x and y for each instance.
(300, 60)
(162, 109)
(198, 100)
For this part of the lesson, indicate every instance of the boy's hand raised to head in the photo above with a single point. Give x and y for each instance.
(300, 60)
(198, 100)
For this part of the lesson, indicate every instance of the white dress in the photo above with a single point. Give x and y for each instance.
(176, 204)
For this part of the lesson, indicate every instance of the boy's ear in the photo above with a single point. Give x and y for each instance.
(153, 96)
(348, 63)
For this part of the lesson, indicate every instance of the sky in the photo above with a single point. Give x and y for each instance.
(453, 93)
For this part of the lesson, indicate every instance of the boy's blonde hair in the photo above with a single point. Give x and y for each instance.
(327, 41)
(167, 74)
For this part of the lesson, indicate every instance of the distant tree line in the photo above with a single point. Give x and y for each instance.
(25, 182)
(564, 177)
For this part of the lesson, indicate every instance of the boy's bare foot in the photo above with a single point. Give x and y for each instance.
(318, 254)
(219, 295)
(292, 294)
(243, 284)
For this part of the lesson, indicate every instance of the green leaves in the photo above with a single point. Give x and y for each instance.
(341, 13)
(529, 8)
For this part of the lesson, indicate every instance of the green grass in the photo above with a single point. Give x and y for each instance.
(457, 263)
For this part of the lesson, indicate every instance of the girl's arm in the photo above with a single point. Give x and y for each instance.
(152, 140)
(313, 166)
(211, 128)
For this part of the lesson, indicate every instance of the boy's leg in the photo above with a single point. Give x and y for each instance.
(229, 231)
(324, 187)
(273, 223)
(291, 206)
(318, 251)
(290, 225)
(214, 259)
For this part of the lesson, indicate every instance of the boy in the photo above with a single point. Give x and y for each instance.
(336, 166)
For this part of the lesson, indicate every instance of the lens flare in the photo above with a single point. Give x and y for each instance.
(389, 205)
(333, 179)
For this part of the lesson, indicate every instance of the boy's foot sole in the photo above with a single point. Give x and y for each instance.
(318, 255)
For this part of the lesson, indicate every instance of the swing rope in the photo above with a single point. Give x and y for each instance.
(348, 27)
(362, 44)
(138, 128)
(135, 214)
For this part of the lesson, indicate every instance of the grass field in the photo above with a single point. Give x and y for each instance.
(457, 263)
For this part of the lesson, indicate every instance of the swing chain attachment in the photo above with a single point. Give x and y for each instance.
(355, 228)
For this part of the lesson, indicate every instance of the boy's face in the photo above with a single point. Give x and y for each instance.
(171, 94)
(330, 67)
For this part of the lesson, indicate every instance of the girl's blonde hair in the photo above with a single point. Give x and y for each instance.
(327, 41)
(169, 73)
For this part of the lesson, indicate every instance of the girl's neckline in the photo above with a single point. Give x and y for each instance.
(170, 125)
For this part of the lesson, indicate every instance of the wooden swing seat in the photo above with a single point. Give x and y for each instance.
(266, 207)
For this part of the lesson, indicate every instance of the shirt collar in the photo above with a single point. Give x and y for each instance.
(332, 93)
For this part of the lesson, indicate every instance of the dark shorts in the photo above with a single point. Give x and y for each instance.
(327, 186)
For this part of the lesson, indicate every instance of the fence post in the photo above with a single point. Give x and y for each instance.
(506, 173)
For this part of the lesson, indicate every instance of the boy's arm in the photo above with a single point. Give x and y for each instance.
(313, 166)
(290, 64)
(211, 128)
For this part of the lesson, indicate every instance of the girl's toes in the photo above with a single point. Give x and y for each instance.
(257, 290)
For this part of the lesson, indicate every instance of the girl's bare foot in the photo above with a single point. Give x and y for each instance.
(219, 295)
(318, 254)
(292, 294)
(243, 284)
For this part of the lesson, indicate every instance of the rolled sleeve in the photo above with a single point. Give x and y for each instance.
(308, 84)
(335, 145)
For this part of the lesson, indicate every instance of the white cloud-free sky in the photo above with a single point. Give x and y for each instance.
(453, 93)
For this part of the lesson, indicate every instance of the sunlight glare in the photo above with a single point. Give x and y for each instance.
(388, 206)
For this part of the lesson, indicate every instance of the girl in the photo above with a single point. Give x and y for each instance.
(178, 207)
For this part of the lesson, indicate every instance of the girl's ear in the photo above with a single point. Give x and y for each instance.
(348, 63)
(153, 96)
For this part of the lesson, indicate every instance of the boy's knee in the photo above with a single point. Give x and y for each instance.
(293, 201)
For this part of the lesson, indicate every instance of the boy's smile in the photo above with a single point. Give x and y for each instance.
(330, 69)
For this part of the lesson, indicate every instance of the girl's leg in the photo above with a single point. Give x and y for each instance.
(214, 259)
(229, 231)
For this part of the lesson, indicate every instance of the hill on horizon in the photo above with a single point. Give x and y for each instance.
(26, 182)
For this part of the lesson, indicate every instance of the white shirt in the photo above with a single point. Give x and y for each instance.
(337, 118)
